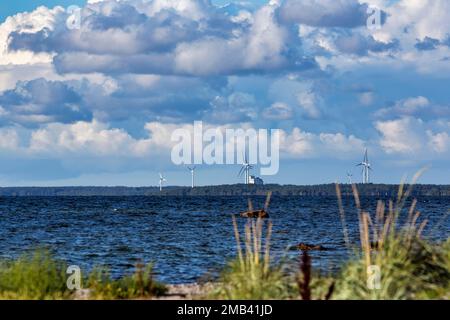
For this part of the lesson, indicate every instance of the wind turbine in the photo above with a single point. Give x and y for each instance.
(246, 167)
(192, 170)
(366, 168)
(161, 180)
(350, 177)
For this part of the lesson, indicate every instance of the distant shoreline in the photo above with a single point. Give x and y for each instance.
(375, 190)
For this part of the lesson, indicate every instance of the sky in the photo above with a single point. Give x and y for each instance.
(96, 104)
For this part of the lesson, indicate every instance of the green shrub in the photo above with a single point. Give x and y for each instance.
(139, 285)
(33, 276)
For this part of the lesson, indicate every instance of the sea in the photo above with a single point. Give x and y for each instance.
(187, 239)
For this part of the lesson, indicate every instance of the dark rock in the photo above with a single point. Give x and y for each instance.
(310, 247)
(255, 214)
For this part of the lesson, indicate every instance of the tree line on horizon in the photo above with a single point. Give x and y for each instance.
(375, 190)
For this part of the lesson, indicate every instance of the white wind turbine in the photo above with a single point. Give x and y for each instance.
(192, 170)
(350, 177)
(161, 180)
(366, 168)
(245, 169)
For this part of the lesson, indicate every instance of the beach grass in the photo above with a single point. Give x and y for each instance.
(251, 276)
(34, 275)
(392, 260)
(38, 275)
(140, 285)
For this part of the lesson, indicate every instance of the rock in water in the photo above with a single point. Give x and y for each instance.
(310, 247)
(255, 214)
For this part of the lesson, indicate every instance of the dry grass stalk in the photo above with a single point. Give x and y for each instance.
(342, 216)
(304, 278)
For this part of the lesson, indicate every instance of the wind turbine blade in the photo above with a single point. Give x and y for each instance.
(241, 171)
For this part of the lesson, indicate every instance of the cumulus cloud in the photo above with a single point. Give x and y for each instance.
(360, 45)
(9, 139)
(96, 139)
(135, 70)
(302, 144)
(325, 13)
(162, 37)
(30, 23)
(417, 106)
(411, 136)
(401, 136)
(439, 142)
(42, 101)
(278, 111)
(309, 102)
(236, 108)
(412, 20)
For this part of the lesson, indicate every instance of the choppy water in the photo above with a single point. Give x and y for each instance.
(186, 238)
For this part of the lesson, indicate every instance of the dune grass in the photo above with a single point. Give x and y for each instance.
(391, 261)
(33, 276)
(251, 276)
(140, 285)
(39, 276)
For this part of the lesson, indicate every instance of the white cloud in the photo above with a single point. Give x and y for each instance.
(416, 106)
(325, 13)
(31, 22)
(301, 144)
(278, 111)
(412, 137)
(416, 19)
(9, 139)
(261, 48)
(96, 139)
(400, 136)
(309, 102)
(439, 142)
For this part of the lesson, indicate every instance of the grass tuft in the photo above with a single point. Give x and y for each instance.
(33, 276)
(251, 276)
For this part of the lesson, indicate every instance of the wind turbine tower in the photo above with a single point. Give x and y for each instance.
(161, 180)
(192, 170)
(245, 169)
(366, 168)
(350, 177)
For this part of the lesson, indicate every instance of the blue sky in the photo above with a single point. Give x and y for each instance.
(96, 105)
(9, 8)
